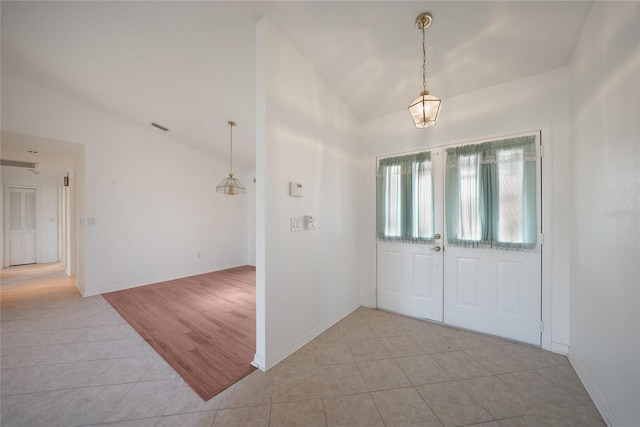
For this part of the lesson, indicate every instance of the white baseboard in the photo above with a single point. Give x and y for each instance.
(259, 362)
(559, 348)
(80, 288)
(149, 281)
(305, 339)
(592, 389)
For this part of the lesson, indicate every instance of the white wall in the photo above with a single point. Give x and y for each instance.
(152, 199)
(251, 218)
(2, 243)
(77, 191)
(307, 280)
(540, 102)
(47, 209)
(605, 244)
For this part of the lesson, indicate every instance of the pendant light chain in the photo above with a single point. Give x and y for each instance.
(424, 61)
(230, 149)
(230, 185)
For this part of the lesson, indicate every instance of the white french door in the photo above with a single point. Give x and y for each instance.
(410, 275)
(494, 291)
(22, 225)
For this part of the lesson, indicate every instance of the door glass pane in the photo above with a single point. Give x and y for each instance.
(423, 209)
(15, 211)
(393, 208)
(469, 181)
(510, 195)
(29, 210)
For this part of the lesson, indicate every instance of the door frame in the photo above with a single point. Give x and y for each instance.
(7, 241)
(544, 133)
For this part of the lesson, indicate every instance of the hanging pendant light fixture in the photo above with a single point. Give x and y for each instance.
(230, 185)
(424, 110)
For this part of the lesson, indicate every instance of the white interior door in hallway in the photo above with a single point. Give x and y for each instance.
(471, 282)
(21, 208)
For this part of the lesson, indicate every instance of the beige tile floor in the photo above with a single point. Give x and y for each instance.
(73, 361)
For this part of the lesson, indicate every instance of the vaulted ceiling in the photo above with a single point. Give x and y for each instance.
(190, 66)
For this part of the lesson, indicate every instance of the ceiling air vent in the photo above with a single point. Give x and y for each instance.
(18, 164)
(159, 127)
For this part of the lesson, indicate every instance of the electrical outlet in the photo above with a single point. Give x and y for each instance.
(296, 223)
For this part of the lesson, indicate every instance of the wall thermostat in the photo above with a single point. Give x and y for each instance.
(295, 189)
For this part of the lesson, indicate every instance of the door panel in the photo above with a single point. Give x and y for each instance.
(511, 283)
(392, 270)
(467, 289)
(29, 231)
(422, 274)
(15, 243)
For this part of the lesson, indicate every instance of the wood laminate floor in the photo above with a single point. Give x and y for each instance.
(204, 326)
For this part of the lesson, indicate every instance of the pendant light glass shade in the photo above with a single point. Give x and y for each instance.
(230, 185)
(425, 109)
